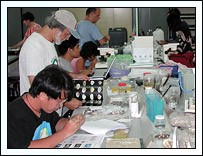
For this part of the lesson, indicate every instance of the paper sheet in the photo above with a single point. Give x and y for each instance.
(102, 126)
(82, 141)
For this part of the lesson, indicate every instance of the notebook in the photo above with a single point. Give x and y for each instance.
(102, 72)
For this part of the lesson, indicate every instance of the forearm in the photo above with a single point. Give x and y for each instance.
(103, 40)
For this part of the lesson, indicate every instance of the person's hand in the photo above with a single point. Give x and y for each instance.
(73, 104)
(81, 77)
(74, 123)
(86, 72)
(93, 62)
(162, 42)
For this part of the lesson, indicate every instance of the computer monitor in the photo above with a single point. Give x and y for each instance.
(118, 36)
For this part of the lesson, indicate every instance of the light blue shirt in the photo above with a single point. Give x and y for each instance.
(88, 31)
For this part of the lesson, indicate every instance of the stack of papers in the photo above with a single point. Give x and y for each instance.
(102, 127)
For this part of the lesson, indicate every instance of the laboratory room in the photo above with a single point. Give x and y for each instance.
(101, 78)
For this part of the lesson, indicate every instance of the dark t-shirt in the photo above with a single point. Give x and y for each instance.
(22, 123)
(184, 38)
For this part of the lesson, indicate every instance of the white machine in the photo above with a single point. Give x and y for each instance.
(142, 49)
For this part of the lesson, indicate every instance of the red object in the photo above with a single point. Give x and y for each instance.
(185, 59)
(146, 73)
(121, 84)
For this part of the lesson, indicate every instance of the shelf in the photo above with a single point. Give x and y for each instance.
(187, 16)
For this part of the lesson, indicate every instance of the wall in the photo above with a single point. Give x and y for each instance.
(110, 18)
(150, 18)
(14, 26)
(16, 29)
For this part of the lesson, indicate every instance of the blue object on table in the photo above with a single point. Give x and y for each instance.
(154, 104)
(174, 72)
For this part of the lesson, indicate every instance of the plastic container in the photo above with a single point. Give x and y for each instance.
(154, 104)
(159, 122)
(159, 130)
(158, 34)
(120, 66)
(133, 105)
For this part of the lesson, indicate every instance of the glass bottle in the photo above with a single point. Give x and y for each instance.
(159, 126)
(173, 99)
(148, 80)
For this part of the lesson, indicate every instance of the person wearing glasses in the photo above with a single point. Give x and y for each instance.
(32, 120)
(39, 50)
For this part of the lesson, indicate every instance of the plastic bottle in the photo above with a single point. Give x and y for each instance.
(158, 34)
(154, 104)
(133, 105)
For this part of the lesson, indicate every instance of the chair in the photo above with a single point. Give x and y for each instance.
(13, 87)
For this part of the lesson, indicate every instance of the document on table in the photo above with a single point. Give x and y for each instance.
(102, 127)
(82, 141)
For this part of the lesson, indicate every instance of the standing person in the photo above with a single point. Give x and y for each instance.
(68, 50)
(39, 51)
(32, 120)
(88, 30)
(88, 52)
(28, 20)
(182, 31)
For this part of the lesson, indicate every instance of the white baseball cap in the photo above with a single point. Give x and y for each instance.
(67, 19)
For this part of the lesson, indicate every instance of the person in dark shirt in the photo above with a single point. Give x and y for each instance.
(32, 120)
(181, 29)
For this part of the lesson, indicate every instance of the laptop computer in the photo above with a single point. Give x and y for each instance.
(102, 72)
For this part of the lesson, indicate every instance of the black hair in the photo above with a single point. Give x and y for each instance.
(90, 10)
(70, 43)
(89, 49)
(173, 18)
(53, 81)
(28, 16)
(176, 24)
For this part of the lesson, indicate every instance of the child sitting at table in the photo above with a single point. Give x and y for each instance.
(88, 52)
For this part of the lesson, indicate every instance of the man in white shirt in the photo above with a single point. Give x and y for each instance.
(39, 51)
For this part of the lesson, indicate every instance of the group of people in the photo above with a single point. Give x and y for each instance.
(46, 80)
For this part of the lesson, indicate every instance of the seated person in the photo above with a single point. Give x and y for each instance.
(88, 52)
(68, 50)
(32, 120)
(28, 20)
(182, 31)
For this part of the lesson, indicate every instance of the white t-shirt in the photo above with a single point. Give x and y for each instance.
(65, 65)
(36, 53)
